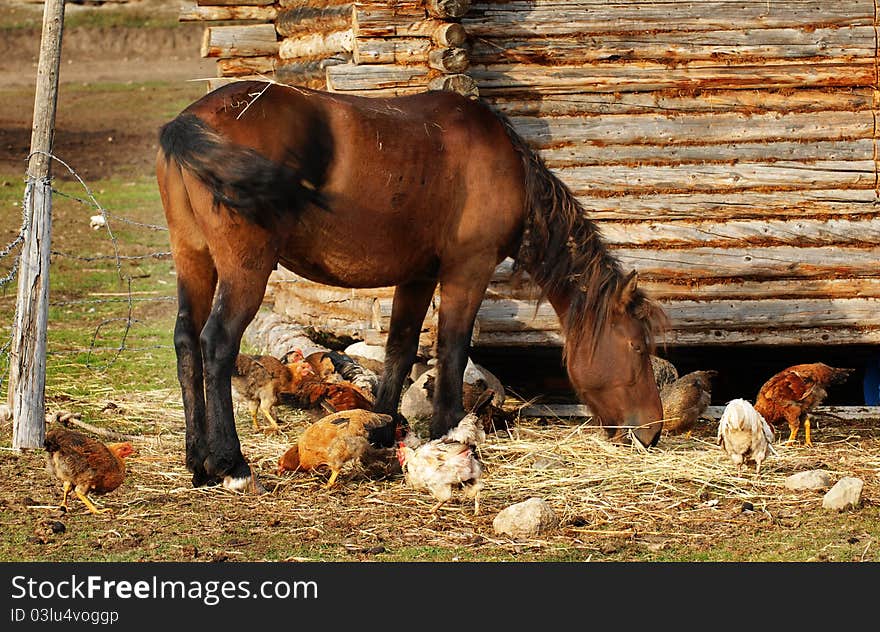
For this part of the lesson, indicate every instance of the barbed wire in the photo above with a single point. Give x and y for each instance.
(97, 347)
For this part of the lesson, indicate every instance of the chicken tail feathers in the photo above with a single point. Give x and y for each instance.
(468, 431)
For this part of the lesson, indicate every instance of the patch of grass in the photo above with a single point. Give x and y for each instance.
(89, 295)
(18, 17)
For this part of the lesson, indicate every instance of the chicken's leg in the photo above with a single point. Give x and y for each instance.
(268, 413)
(807, 438)
(793, 435)
(88, 503)
(332, 481)
(66, 494)
(437, 506)
(254, 419)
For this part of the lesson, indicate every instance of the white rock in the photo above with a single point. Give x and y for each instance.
(5, 413)
(368, 356)
(814, 479)
(415, 403)
(526, 519)
(846, 492)
(97, 221)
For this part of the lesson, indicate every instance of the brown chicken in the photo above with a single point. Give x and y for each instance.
(260, 380)
(333, 441)
(790, 395)
(664, 371)
(684, 400)
(85, 465)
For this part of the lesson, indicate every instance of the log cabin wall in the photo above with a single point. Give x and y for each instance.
(727, 149)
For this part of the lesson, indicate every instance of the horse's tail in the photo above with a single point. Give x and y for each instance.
(240, 178)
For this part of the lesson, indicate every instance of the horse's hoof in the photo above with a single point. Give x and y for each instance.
(203, 479)
(247, 485)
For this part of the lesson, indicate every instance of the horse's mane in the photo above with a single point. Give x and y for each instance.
(563, 252)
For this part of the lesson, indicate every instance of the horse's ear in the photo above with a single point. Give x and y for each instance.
(628, 290)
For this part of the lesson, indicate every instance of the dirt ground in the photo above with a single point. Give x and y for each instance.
(681, 501)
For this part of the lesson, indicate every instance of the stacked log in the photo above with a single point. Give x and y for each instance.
(374, 47)
(727, 149)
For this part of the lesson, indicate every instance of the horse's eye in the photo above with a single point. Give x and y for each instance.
(638, 347)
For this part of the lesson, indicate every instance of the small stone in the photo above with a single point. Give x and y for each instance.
(846, 492)
(747, 506)
(546, 463)
(526, 519)
(814, 479)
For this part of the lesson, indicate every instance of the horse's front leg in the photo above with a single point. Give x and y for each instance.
(408, 311)
(234, 308)
(461, 292)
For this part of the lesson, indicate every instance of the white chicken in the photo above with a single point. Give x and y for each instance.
(744, 434)
(446, 463)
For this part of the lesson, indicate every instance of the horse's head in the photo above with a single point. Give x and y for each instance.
(610, 367)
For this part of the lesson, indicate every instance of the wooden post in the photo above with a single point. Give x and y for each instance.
(27, 378)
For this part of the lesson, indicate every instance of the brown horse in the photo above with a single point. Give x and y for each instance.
(367, 192)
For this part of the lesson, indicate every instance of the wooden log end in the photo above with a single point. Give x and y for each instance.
(462, 84)
(449, 60)
(447, 8)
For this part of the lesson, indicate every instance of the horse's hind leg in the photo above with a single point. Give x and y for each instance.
(461, 292)
(407, 315)
(196, 280)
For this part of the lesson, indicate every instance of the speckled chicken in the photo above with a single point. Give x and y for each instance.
(744, 434)
(85, 465)
(333, 441)
(664, 371)
(336, 366)
(684, 400)
(790, 395)
(260, 380)
(444, 464)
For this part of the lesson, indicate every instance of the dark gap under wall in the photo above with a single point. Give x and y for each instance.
(538, 372)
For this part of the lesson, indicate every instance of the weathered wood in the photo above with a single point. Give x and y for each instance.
(192, 12)
(27, 361)
(392, 50)
(689, 129)
(735, 46)
(565, 411)
(449, 34)
(309, 74)
(460, 83)
(448, 60)
(779, 262)
(548, 18)
(316, 45)
(393, 21)
(234, 2)
(585, 155)
(351, 77)
(646, 76)
(447, 8)
(242, 66)
(653, 207)
(248, 40)
(306, 20)
(764, 336)
(673, 102)
(623, 179)
(744, 233)
(298, 4)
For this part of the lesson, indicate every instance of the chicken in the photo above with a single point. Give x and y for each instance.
(335, 366)
(685, 399)
(664, 371)
(333, 441)
(447, 463)
(790, 395)
(85, 465)
(332, 397)
(744, 434)
(261, 379)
